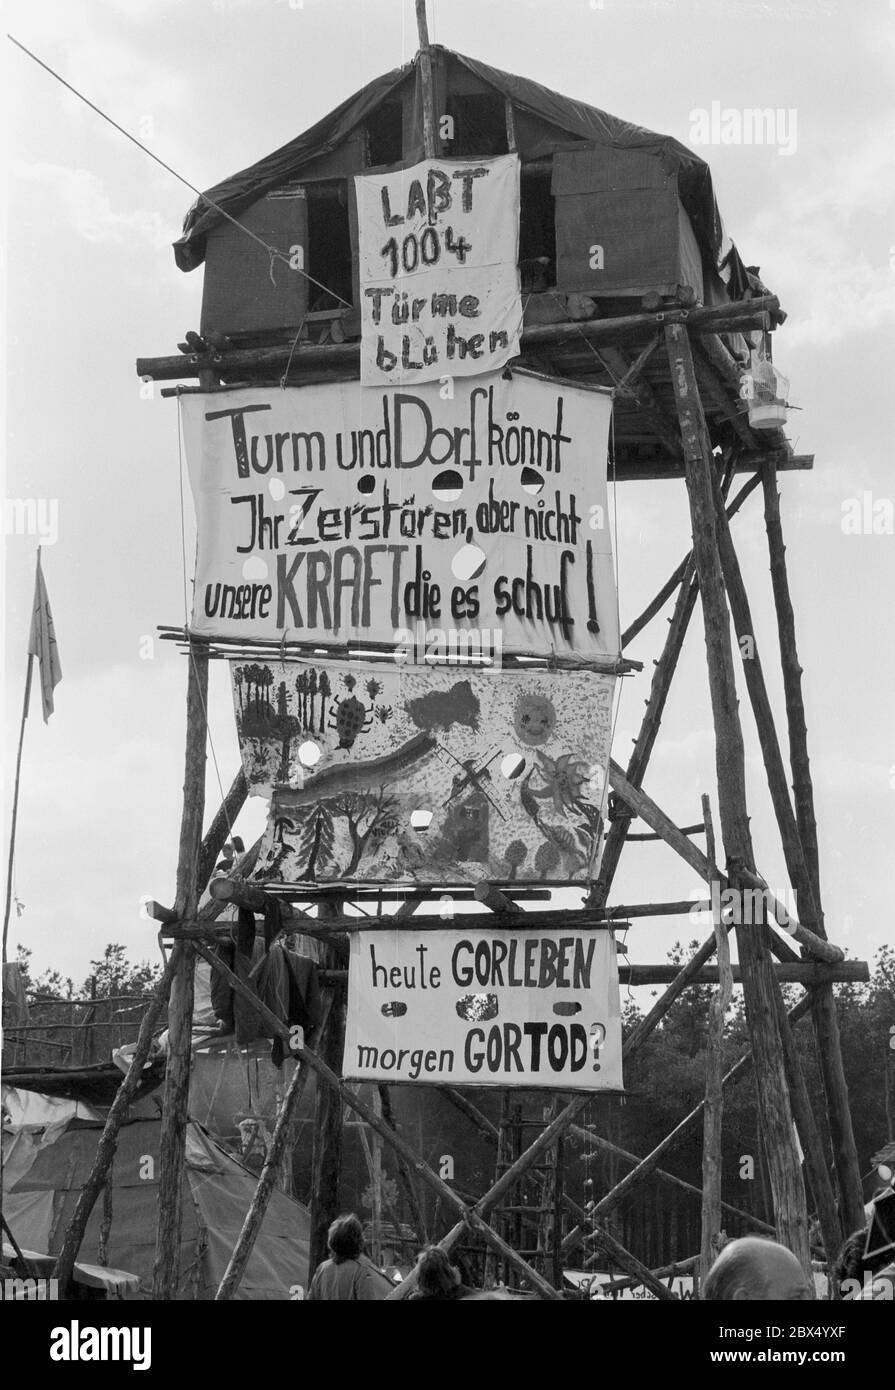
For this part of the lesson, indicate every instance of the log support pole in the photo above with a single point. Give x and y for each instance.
(326, 1159)
(427, 85)
(649, 728)
(632, 1266)
(823, 1008)
(684, 578)
(175, 1113)
(242, 1251)
(759, 986)
(131, 1080)
(108, 1143)
(714, 1075)
(815, 1163)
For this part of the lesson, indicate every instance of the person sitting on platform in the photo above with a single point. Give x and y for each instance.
(348, 1274)
(755, 1269)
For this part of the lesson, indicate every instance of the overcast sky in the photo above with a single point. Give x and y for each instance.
(212, 85)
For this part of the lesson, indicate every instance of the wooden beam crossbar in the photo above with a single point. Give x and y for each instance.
(672, 1271)
(813, 974)
(745, 315)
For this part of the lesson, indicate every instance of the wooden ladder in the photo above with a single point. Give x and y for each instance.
(530, 1216)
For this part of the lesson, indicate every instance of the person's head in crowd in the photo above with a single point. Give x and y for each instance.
(435, 1273)
(345, 1237)
(754, 1269)
(850, 1261)
(854, 1270)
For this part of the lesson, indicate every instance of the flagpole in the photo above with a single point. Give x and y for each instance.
(41, 644)
(15, 802)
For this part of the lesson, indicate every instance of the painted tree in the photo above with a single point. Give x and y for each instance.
(301, 688)
(308, 718)
(286, 726)
(514, 854)
(258, 712)
(325, 690)
(364, 812)
(315, 841)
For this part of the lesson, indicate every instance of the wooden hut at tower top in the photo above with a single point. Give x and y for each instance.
(614, 220)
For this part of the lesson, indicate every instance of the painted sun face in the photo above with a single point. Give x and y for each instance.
(534, 720)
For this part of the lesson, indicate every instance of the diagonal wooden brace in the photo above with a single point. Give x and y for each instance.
(665, 827)
(245, 1244)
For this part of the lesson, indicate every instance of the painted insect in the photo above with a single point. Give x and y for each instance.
(349, 717)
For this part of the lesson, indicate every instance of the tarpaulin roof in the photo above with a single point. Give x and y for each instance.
(574, 119)
(242, 189)
(95, 1085)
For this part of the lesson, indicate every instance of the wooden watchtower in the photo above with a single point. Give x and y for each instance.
(659, 307)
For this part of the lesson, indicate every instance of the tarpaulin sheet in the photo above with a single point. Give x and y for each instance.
(215, 1205)
(30, 1217)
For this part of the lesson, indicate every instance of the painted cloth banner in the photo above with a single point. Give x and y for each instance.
(407, 775)
(496, 1008)
(328, 513)
(437, 250)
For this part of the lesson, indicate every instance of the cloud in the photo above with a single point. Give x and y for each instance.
(82, 198)
(835, 284)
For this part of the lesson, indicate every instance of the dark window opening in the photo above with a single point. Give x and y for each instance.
(385, 133)
(480, 125)
(329, 248)
(537, 233)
